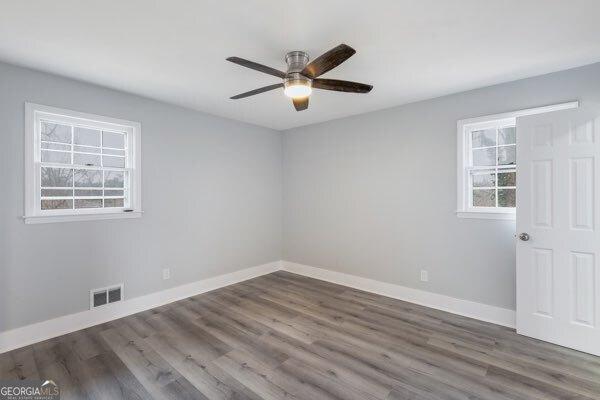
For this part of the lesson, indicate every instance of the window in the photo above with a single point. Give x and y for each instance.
(80, 166)
(492, 159)
(487, 163)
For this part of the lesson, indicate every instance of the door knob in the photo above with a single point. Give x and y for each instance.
(524, 236)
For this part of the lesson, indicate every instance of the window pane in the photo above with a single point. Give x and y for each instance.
(56, 146)
(82, 166)
(507, 155)
(484, 198)
(57, 177)
(88, 192)
(114, 179)
(86, 159)
(507, 197)
(507, 178)
(114, 152)
(115, 162)
(84, 149)
(88, 178)
(112, 139)
(484, 157)
(56, 204)
(88, 203)
(57, 192)
(484, 179)
(87, 137)
(483, 138)
(55, 133)
(59, 157)
(507, 135)
(114, 203)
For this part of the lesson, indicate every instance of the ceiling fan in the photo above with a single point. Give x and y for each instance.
(301, 76)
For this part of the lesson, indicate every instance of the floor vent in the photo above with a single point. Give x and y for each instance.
(103, 296)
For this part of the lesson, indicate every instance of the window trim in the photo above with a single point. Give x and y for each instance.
(463, 128)
(33, 213)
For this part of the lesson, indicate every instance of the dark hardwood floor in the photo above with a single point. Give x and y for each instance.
(284, 336)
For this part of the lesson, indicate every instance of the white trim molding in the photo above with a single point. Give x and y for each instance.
(34, 115)
(467, 308)
(44, 330)
(463, 129)
(45, 219)
(510, 216)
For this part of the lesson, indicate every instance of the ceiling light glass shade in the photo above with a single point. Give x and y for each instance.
(298, 90)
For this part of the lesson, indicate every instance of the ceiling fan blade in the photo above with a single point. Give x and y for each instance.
(341, 86)
(257, 66)
(257, 91)
(328, 61)
(301, 103)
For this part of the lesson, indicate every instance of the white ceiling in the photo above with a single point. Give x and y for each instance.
(175, 50)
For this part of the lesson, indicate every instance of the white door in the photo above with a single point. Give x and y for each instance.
(558, 228)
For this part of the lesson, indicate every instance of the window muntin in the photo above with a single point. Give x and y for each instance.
(492, 166)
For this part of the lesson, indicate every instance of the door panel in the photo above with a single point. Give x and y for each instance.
(583, 276)
(582, 193)
(541, 183)
(544, 281)
(558, 282)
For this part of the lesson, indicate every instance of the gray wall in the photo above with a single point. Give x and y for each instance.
(372, 195)
(211, 196)
(375, 195)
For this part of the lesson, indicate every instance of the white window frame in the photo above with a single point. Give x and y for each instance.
(33, 212)
(464, 129)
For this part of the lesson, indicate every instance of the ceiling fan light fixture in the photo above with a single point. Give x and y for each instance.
(297, 86)
(297, 91)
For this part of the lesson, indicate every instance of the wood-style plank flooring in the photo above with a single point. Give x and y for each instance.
(285, 336)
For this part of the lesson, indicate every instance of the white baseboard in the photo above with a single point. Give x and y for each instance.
(484, 312)
(40, 331)
(44, 330)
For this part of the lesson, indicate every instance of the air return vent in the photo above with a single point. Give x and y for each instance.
(103, 296)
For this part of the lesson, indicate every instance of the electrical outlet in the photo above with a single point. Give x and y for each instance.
(424, 276)
(166, 273)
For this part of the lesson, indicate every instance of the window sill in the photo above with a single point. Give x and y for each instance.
(510, 216)
(44, 219)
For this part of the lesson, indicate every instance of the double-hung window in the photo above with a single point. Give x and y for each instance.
(489, 158)
(492, 173)
(80, 166)
(487, 163)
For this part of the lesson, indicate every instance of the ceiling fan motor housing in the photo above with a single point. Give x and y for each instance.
(296, 61)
